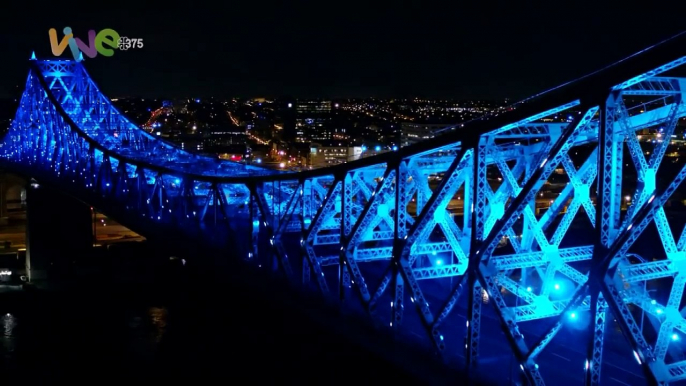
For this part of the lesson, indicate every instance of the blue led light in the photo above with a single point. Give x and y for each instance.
(359, 207)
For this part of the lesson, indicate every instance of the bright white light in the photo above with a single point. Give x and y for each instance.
(572, 315)
(282, 165)
(675, 337)
(439, 262)
(528, 289)
(5, 273)
(557, 286)
(290, 105)
(628, 198)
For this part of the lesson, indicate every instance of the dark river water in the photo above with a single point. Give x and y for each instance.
(175, 326)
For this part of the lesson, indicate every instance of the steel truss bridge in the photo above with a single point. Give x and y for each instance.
(389, 239)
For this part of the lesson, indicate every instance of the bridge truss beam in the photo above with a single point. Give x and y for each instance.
(539, 217)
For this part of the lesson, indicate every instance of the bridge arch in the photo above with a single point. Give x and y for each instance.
(380, 235)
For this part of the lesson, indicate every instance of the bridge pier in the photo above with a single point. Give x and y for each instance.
(11, 187)
(58, 228)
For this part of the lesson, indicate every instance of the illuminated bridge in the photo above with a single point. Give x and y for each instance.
(587, 289)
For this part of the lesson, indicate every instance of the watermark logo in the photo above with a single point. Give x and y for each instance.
(103, 43)
(126, 43)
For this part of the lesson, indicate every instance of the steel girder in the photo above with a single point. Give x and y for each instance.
(489, 208)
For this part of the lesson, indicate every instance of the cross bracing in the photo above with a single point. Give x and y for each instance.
(543, 213)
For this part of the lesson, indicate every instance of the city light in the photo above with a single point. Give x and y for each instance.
(282, 165)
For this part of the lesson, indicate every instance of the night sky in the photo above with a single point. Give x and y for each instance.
(477, 49)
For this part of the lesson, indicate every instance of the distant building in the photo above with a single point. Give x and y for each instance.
(333, 153)
(312, 120)
(416, 132)
(218, 140)
(237, 152)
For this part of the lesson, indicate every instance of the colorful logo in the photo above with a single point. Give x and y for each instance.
(103, 43)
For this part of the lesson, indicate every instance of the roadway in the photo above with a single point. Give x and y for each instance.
(107, 231)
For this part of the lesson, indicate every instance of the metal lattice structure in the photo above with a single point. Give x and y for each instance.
(540, 211)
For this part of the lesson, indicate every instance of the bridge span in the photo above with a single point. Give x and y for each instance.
(589, 290)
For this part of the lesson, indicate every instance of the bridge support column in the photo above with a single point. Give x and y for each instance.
(3, 201)
(59, 229)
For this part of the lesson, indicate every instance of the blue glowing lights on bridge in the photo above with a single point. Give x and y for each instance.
(543, 215)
